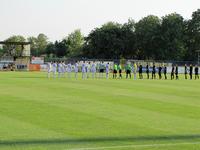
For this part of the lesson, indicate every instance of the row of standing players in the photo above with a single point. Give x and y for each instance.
(87, 68)
(174, 72)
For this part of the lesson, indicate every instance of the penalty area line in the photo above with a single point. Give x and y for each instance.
(136, 146)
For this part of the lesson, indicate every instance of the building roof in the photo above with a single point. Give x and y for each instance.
(15, 43)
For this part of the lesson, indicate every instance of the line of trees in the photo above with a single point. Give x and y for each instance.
(168, 38)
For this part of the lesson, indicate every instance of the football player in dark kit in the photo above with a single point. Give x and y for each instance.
(165, 72)
(140, 72)
(196, 70)
(115, 71)
(172, 73)
(147, 71)
(120, 71)
(160, 72)
(128, 71)
(191, 71)
(154, 72)
(176, 72)
(186, 71)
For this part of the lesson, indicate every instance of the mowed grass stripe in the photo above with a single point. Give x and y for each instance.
(23, 130)
(44, 115)
(66, 108)
(56, 92)
(131, 115)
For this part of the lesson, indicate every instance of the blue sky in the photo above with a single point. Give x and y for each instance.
(57, 18)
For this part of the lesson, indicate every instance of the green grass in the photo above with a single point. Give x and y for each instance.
(37, 113)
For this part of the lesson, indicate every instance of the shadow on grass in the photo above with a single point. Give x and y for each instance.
(98, 140)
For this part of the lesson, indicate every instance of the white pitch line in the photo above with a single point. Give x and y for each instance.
(136, 146)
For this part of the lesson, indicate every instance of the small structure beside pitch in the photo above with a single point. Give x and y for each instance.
(20, 59)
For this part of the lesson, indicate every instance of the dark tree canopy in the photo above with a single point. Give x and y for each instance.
(147, 37)
(112, 40)
(192, 36)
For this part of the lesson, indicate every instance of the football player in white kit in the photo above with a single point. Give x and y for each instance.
(93, 70)
(49, 69)
(83, 70)
(63, 69)
(59, 69)
(76, 70)
(88, 69)
(69, 70)
(54, 69)
(107, 70)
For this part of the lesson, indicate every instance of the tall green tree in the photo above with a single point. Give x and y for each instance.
(147, 34)
(192, 34)
(34, 48)
(51, 50)
(61, 48)
(41, 42)
(172, 36)
(74, 41)
(38, 44)
(2, 51)
(128, 39)
(111, 41)
(105, 42)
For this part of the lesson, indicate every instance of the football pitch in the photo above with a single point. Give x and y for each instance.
(37, 113)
